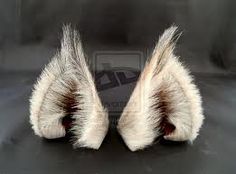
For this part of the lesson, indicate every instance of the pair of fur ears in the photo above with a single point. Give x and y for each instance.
(164, 102)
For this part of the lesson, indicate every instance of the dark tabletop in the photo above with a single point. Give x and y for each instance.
(29, 37)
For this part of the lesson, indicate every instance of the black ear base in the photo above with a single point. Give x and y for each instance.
(164, 102)
(65, 99)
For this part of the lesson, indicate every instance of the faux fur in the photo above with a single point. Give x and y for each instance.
(66, 88)
(164, 102)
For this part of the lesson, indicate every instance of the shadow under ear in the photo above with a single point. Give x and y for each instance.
(165, 142)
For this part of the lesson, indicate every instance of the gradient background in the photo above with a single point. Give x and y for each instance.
(30, 32)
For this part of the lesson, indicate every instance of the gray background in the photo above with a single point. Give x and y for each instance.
(30, 32)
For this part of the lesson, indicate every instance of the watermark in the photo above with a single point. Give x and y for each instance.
(116, 74)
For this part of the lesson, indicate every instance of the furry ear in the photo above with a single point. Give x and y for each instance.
(164, 102)
(65, 97)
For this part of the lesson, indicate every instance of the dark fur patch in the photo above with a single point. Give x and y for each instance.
(70, 105)
(163, 106)
(67, 122)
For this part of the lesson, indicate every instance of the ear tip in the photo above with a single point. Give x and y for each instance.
(69, 34)
(173, 27)
(68, 28)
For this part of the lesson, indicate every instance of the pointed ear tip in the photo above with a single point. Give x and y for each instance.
(68, 29)
(174, 29)
(67, 26)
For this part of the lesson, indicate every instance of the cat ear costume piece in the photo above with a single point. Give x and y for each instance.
(164, 102)
(66, 89)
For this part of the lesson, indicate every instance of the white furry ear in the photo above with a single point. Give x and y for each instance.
(164, 102)
(65, 90)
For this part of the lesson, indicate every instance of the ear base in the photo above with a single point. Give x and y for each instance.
(164, 102)
(66, 89)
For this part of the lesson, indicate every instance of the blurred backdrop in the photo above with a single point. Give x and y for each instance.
(30, 30)
(118, 36)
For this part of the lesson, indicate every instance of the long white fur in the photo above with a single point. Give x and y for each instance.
(67, 70)
(139, 122)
